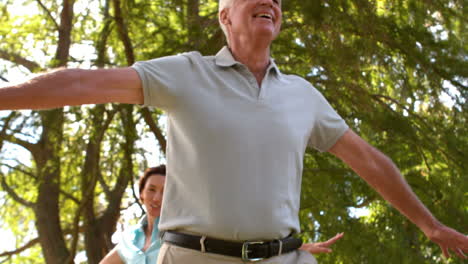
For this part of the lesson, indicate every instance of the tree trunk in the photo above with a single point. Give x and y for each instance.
(193, 24)
(47, 205)
(93, 239)
(47, 209)
(100, 229)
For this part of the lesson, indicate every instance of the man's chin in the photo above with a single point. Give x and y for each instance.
(266, 33)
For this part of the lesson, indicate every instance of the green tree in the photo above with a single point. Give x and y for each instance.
(395, 70)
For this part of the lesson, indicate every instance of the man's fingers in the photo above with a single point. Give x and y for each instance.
(459, 247)
(446, 252)
(449, 240)
(464, 244)
(460, 253)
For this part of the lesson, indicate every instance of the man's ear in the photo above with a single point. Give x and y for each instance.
(224, 17)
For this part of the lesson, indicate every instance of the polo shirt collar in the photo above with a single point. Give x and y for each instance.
(224, 58)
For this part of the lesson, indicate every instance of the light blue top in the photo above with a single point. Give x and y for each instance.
(133, 240)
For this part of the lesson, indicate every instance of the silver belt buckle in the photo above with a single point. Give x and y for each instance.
(246, 251)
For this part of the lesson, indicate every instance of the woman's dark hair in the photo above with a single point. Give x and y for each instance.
(159, 170)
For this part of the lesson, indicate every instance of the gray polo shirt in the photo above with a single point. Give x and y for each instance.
(235, 150)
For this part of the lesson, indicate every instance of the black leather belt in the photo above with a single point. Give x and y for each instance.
(247, 251)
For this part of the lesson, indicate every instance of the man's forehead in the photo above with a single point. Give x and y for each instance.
(232, 1)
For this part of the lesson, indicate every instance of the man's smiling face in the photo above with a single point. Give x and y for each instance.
(254, 18)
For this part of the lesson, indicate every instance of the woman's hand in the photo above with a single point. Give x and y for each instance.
(321, 247)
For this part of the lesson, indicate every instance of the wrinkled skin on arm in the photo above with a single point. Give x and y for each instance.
(382, 175)
(74, 87)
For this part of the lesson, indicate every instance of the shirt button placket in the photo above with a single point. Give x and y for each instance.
(251, 80)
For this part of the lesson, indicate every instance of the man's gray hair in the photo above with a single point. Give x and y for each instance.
(222, 5)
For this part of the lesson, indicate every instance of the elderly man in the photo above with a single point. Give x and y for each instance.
(238, 129)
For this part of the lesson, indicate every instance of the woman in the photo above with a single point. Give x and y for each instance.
(141, 244)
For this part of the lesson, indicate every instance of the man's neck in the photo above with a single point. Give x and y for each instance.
(255, 57)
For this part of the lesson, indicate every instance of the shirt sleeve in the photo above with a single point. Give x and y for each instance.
(126, 247)
(120, 251)
(328, 125)
(163, 79)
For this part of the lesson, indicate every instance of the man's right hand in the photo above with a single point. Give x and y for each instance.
(74, 87)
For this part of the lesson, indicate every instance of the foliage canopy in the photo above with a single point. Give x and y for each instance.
(395, 70)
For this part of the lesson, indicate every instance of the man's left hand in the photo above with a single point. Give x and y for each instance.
(449, 239)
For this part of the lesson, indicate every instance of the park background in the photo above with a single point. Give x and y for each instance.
(395, 70)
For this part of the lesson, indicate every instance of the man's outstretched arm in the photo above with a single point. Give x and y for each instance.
(382, 174)
(74, 87)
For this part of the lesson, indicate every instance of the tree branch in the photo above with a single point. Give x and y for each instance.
(30, 244)
(13, 194)
(137, 200)
(75, 231)
(104, 186)
(27, 145)
(57, 27)
(21, 249)
(69, 196)
(123, 32)
(30, 174)
(429, 128)
(154, 128)
(5, 260)
(5, 127)
(91, 172)
(101, 43)
(33, 176)
(18, 59)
